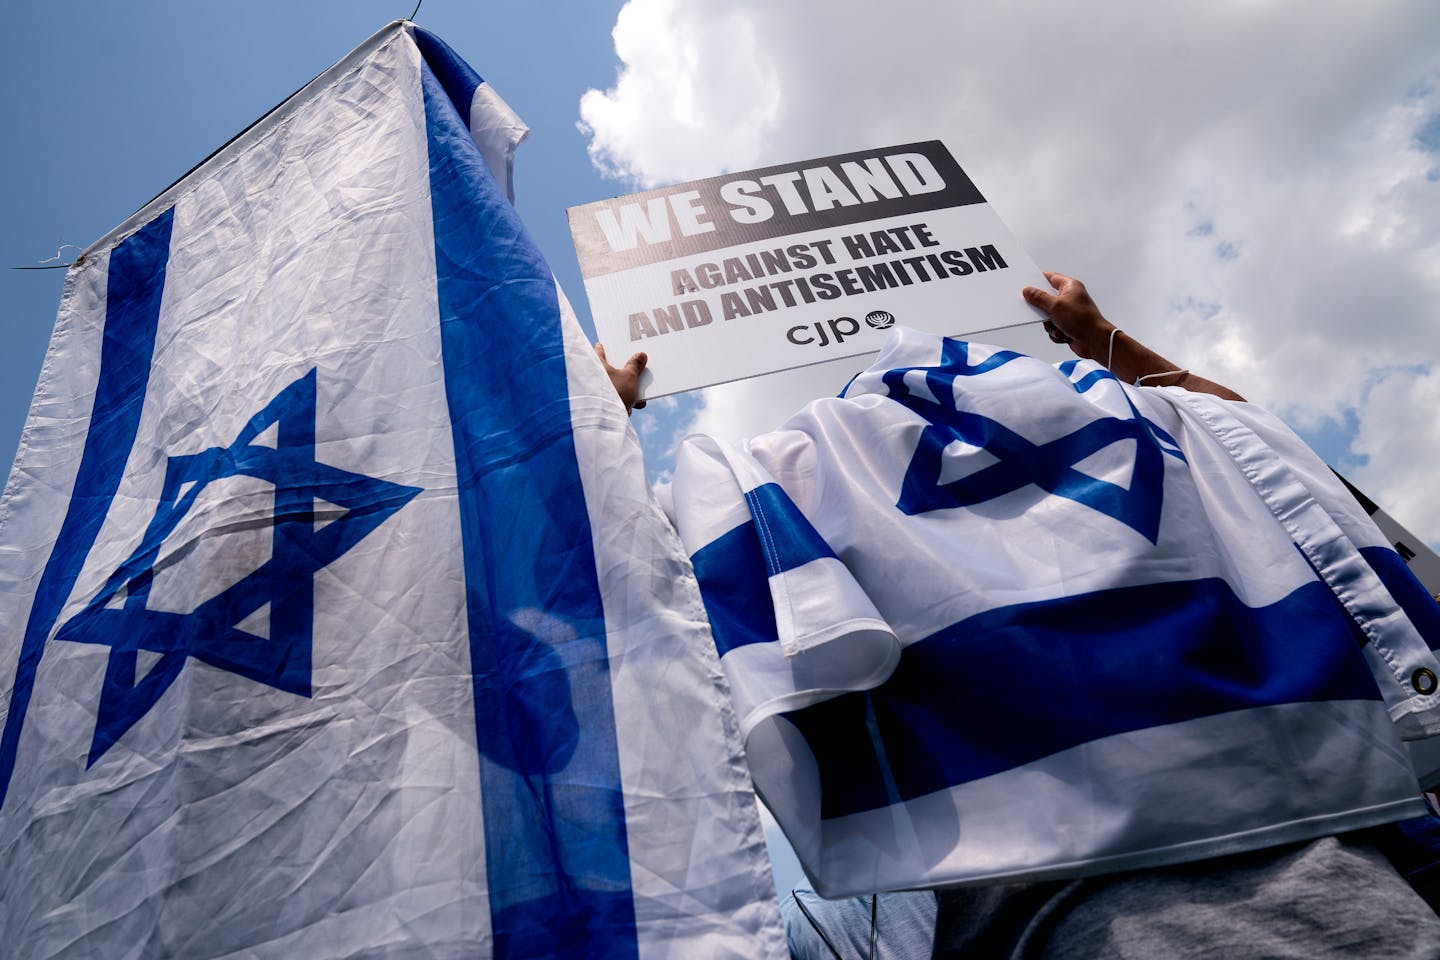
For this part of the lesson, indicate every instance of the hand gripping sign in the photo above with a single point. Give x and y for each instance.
(765, 270)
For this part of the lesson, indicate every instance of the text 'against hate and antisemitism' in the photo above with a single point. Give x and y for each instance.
(909, 257)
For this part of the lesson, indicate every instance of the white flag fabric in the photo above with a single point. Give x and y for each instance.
(339, 619)
(987, 618)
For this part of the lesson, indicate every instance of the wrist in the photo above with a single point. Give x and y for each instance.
(1101, 341)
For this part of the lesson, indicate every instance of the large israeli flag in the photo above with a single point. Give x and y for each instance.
(987, 618)
(338, 620)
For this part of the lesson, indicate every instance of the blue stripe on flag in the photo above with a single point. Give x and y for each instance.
(1097, 665)
(1090, 379)
(735, 590)
(136, 281)
(787, 538)
(458, 78)
(1408, 592)
(555, 843)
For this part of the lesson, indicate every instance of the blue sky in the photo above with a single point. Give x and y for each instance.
(106, 104)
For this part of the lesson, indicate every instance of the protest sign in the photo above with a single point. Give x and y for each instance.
(764, 270)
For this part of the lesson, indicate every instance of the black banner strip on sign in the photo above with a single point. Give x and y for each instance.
(738, 208)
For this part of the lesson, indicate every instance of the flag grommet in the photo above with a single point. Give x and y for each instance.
(1423, 680)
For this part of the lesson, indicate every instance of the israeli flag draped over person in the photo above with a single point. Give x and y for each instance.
(339, 620)
(987, 618)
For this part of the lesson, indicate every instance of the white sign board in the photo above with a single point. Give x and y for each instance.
(765, 270)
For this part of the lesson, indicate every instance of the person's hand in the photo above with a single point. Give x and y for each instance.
(1072, 317)
(625, 379)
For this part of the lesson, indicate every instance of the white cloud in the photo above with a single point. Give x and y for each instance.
(687, 77)
(1399, 408)
(1246, 185)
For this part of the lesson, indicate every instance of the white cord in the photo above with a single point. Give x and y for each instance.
(60, 250)
(1152, 376)
(1110, 357)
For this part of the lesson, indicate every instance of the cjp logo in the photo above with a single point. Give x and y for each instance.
(824, 332)
(835, 331)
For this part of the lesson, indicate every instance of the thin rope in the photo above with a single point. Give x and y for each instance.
(415, 11)
(1152, 376)
(59, 250)
(49, 262)
(873, 931)
(801, 904)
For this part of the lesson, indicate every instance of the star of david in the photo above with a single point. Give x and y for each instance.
(118, 617)
(1019, 462)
